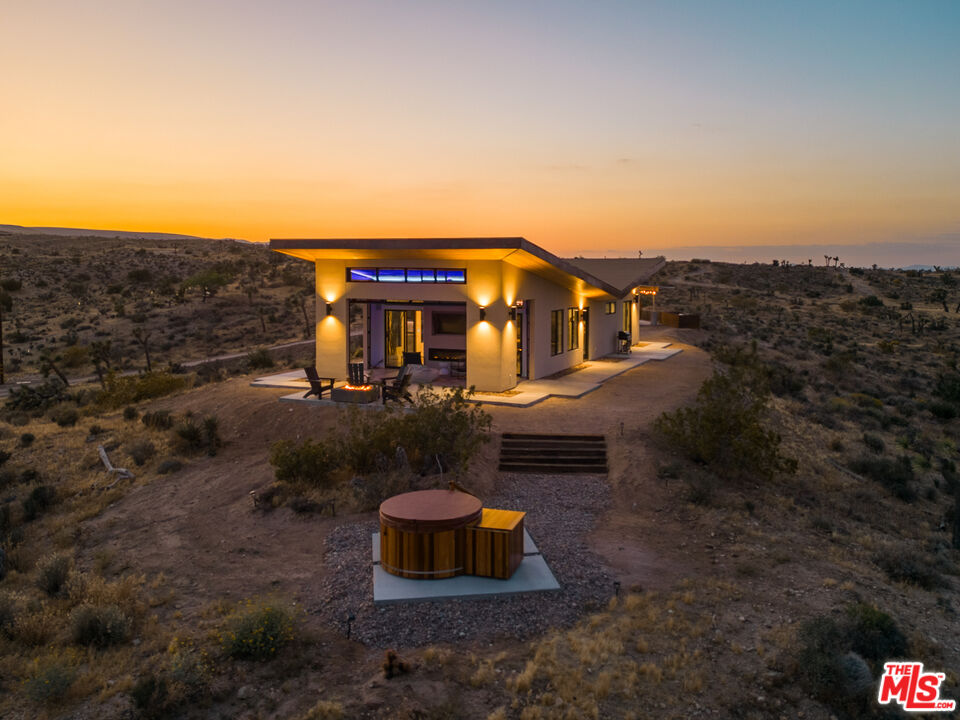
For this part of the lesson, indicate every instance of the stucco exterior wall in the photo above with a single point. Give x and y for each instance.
(491, 344)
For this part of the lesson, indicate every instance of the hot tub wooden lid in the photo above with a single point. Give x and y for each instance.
(430, 510)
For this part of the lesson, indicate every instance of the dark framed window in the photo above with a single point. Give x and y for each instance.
(610, 308)
(573, 328)
(457, 276)
(556, 332)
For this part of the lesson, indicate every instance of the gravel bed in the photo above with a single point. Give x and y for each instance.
(561, 511)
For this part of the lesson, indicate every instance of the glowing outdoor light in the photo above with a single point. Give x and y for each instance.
(329, 309)
(483, 313)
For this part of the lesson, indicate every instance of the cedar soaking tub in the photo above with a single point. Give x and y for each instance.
(423, 533)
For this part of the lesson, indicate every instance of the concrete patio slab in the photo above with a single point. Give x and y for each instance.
(528, 392)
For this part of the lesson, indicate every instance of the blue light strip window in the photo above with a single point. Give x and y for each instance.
(456, 276)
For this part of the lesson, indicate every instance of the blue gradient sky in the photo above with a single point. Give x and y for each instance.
(578, 125)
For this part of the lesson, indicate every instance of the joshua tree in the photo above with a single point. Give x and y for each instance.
(48, 364)
(143, 337)
(100, 352)
(940, 295)
(826, 260)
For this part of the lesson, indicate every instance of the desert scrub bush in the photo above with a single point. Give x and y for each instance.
(126, 390)
(158, 420)
(99, 625)
(38, 398)
(942, 410)
(39, 499)
(170, 465)
(324, 710)
(49, 680)
(194, 436)
(130, 413)
(259, 359)
(257, 631)
(26, 440)
(65, 416)
(52, 573)
(724, 428)
(874, 443)
(306, 464)
(910, 567)
(894, 474)
(140, 452)
(838, 658)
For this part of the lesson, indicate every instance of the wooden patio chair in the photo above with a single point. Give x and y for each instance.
(317, 383)
(397, 388)
(356, 375)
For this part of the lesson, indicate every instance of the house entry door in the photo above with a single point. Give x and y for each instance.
(401, 330)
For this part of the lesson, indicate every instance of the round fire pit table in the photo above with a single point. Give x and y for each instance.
(422, 533)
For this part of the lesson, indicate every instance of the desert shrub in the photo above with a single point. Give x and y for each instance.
(39, 499)
(140, 275)
(149, 694)
(125, 390)
(4, 456)
(380, 449)
(948, 387)
(838, 658)
(65, 416)
(96, 430)
(37, 397)
(141, 452)
(942, 410)
(26, 440)
(257, 631)
(130, 413)
(170, 465)
(7, 477)
(910, 567)
(724, 428)
(324, 710)
(874, 443)
(49, 682)
(307, 463)
(52, 573)
(871, 301)
(874, 634)
(8, 613)
(259, 359)
(75, 356)
(99, 625)
(11, 284)
(158, 420)
(896, 475)
(194, 436)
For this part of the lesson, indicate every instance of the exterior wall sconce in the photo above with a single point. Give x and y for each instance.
(513, 313)
(329, 309)
(483, 313)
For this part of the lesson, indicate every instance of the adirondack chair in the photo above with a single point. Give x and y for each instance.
(317, 383)
(397, 388)
(356, 375)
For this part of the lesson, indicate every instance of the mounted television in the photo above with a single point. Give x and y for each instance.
(449, 323)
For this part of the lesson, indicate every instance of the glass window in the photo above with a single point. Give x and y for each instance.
(362, 275)
(452, 276)
(627, 316)
(556, 332)
(414, 275)
(573, 328)
(610, 308)
(391, 275)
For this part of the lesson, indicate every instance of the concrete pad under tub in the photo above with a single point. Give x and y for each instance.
(533, 575)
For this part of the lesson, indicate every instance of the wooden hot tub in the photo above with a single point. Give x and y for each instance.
(422, 534)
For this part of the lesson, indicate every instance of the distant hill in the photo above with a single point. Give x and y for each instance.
(122, 234)
(929, 267)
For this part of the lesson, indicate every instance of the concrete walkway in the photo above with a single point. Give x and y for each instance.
(589, 377)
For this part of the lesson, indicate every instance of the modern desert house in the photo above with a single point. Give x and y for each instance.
(492, 311)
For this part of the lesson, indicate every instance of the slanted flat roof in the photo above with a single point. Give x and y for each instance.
(624, 273)
(517, 251)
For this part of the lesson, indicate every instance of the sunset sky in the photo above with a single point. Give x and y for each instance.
(588, 128)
